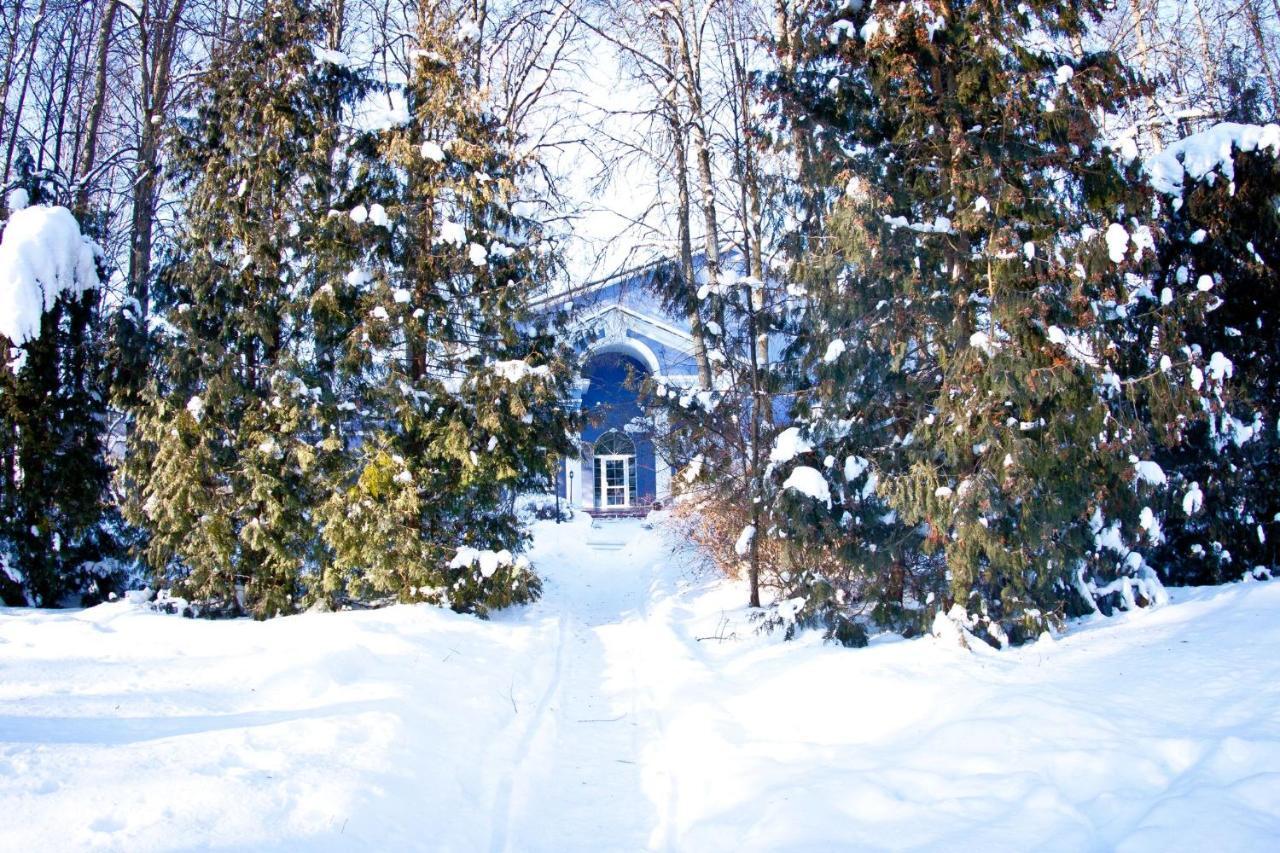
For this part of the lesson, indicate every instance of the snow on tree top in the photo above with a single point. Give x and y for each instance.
(1117, 242)
(432, 151)
(1150, 472)
(42, 255)
(515, 369)
(1203, 155)
(331, 57)
(939, 225)
(489, 561)
(452, 233)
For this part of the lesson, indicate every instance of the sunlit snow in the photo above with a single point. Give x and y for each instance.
(636, 707)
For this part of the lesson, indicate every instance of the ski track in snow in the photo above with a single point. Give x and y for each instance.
(634, 707)
(503, 809)
(582, 755)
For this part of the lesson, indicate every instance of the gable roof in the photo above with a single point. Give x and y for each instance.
(639, 276)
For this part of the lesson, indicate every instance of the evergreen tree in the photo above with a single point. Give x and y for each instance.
(858, 370)
(59, 533)
(453, 391)
(225, 460)
(984, 274)
(1223, 235)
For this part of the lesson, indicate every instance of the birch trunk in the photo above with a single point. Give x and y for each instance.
(680, 171)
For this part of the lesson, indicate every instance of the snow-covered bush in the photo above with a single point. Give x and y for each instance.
(541, 507)
(814, 602)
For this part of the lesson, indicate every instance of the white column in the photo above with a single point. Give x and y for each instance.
(582, 494)
(661, 467)
(576, 464)
(584, 465)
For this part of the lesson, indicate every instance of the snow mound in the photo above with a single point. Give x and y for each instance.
(42, 256)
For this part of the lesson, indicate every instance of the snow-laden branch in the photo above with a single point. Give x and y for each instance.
(42, 255)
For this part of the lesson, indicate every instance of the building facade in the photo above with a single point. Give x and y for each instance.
(623, 337)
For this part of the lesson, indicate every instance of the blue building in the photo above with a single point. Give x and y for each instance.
(625, 337)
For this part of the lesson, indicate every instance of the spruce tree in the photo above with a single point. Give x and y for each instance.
(856, 370)
(986, 264)
(452, 387)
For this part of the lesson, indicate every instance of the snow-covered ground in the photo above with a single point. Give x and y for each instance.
(633, 708)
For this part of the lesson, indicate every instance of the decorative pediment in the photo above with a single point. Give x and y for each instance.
(618, 323)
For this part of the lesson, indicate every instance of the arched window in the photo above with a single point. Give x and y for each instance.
(614, 443)
(615, 470)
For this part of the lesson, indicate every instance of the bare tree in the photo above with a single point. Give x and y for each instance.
(158, 33)
(89, 150)
(1203, 60)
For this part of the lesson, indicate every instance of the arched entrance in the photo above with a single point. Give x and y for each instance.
(619, 464)
(615, 471)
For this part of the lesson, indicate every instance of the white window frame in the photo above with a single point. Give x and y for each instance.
(628, 461)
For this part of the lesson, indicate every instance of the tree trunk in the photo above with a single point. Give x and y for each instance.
(155, 96)
(759, 402)
(22, 93)
(1208, 60)
(680, 170)
(690, 58)
(10, 70)
(1138, 18)
(752, 204)
(1255, 28)
(90, 150)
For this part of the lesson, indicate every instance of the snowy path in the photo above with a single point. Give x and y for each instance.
(634, 708)
(581, 757)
